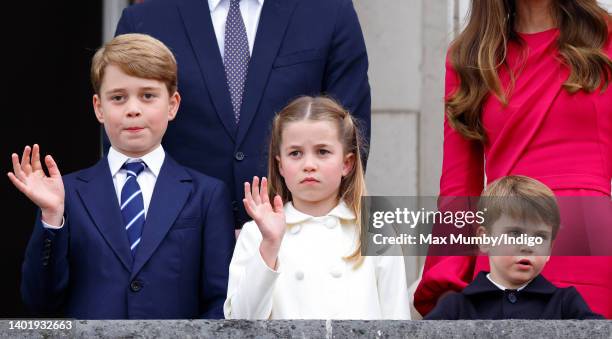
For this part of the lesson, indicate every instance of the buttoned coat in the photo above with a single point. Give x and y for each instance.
(312, 280)
(538, 300)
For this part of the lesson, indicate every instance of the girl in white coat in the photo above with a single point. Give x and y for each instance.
(303, 260)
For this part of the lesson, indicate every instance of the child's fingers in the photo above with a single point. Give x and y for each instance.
(18, 183)
(248, 207)
(264, 191)
(36, 165)
(17, 167)
(255, 189)
(278, 204)
(247, 191)
(248, 197)
(54, 171)
(25, 160)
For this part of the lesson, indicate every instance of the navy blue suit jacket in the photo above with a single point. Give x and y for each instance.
(180, 270)
(302, 47)
(540, 299)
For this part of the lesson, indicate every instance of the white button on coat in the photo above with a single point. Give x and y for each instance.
(335, 272)
(312, 280)
(295, 229)
(299, 275)
(331, 222)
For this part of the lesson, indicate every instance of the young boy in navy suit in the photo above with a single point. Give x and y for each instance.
(516, 206)
(137, 235)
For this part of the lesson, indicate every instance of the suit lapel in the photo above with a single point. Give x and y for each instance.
(201, 33)
(172, 189)
(100, 199)
(273, 22)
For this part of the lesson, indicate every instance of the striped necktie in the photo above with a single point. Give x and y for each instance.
(236, 55)
(132, 205)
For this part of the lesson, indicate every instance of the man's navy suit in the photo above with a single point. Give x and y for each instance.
(85, 269)
(302, 47)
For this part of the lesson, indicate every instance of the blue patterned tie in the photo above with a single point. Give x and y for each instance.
(235, 55)
(132, 205)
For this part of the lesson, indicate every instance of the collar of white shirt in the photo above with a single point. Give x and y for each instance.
(212, 4)
(502, 287)
(154, 160)
(293, 216)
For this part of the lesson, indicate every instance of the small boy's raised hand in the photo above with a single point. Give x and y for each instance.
(270, 219)
(47, 192)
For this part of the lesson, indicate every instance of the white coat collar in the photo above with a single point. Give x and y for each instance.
(341, 211)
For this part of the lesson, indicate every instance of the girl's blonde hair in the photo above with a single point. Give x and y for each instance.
(321, 108)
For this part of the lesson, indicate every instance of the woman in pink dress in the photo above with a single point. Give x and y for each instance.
(526, 94)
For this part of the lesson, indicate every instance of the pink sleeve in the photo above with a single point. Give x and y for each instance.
(462, 176)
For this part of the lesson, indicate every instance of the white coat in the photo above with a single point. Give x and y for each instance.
(312, 280)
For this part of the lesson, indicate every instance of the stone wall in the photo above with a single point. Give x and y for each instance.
(591, 329)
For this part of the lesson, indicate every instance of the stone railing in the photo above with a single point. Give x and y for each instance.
(522, 329)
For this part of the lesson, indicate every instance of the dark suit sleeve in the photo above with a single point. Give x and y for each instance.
(346, 72)
(574, 307)
(45, 270)
(447, 308)
(217, 249)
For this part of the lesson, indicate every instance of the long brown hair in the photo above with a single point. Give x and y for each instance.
(480, 50)
(321, 108)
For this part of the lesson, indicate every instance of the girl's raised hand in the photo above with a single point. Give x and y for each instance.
(270, 219)
(47, 192)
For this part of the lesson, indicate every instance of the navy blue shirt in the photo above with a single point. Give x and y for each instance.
(540, 299)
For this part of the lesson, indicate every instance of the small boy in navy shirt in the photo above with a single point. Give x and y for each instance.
(516, 207)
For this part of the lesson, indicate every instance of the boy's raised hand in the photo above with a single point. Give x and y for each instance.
(270, 219)
(47, 192)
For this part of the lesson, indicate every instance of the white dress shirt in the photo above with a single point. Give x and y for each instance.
(312, 280)
(250, 11)
(146, 180)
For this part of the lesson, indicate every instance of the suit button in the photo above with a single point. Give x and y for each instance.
(136, 285)
(235, 206)
(299, 275)
(47, 241)
(512, 297)
(239, 156)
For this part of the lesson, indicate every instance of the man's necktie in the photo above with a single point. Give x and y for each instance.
(235, 55)
(132, 205)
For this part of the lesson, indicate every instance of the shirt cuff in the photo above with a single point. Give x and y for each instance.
(45, 225)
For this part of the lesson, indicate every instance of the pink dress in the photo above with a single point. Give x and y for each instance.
(561, 139)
